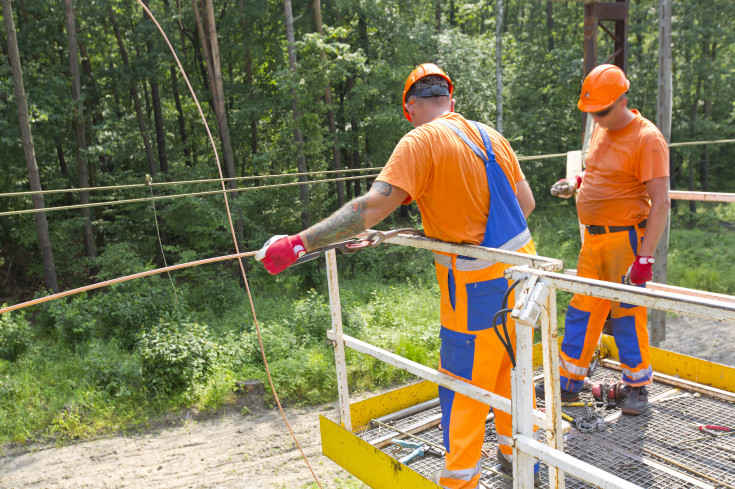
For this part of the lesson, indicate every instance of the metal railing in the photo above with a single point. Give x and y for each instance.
(536, 301)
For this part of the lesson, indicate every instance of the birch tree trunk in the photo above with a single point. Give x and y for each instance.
(301, 159)
(44, 240)
(76, 88)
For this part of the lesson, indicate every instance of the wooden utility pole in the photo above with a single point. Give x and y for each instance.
(657, 325)
(76, 89)
(301, 159)
(44, 241)
(499, 66)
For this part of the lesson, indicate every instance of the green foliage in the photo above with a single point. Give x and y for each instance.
(15, 335)
(175, 356)
(113, 369)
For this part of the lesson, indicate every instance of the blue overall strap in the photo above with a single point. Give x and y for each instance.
(506, 226)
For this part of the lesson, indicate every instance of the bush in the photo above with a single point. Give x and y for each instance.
(174, 356)
(15, 336)
(72, 321)
(112, 369)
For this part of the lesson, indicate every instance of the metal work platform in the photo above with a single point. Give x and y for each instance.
(659, 449)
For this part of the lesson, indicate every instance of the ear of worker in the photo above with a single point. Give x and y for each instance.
(280, 252)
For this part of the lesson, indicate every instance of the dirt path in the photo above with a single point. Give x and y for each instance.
(250, 451)
(231, 451)
(706, 339)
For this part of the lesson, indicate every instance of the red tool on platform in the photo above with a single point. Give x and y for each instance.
(714, 427)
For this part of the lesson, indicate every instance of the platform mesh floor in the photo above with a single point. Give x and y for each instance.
(621, 449)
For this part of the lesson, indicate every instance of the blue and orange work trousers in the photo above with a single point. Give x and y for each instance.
(605, 257)
(471, 293)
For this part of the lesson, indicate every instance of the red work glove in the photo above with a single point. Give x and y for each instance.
(641, 271)
(280, 252)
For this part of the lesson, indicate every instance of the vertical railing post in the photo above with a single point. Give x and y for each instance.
(339, 344)
(522, 399)
(550, 347)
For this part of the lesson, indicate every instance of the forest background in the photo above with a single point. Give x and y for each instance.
(108, 108)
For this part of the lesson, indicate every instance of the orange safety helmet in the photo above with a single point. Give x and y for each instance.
(421, 71)
(602, 87)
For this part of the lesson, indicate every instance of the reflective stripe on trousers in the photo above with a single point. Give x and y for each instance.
(605, 257)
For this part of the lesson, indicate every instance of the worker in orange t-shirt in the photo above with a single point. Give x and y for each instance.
(469, 188)
(623, 204)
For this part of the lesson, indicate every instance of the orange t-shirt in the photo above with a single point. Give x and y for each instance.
(617, 166)
(447, 179)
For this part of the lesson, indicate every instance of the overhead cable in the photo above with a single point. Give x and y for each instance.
(183, 182)
(175, 196)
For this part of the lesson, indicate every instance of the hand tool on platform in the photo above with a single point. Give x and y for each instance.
(713, 427)
(419, 450)
(405, 433)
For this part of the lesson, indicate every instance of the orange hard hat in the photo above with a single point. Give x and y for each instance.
(602, 87)
(421, 71)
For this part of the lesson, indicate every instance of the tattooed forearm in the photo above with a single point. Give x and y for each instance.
(343, 224)
(382, 188)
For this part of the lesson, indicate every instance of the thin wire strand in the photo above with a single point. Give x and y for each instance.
(234, 238)
(160, 244)
(183, 182)
(284, 175)
(176, 196)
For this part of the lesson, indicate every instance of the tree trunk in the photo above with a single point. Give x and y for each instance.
(44, 240)
(76, 88)
(301, 160)
(438, 16)
(249, 88)
(157, 111)
(175, 90)
(330, 112)
(214, 68)
(94, 108)
(550, 24)
(499, 65)
(142, 124)
(62, 167)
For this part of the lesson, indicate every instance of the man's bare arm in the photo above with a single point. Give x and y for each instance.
(355, 216)
(525, 197)
(658, 191)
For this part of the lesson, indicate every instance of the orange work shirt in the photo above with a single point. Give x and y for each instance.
(618, 164)
(446, 179)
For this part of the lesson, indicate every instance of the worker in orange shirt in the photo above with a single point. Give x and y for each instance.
(623, 203)
(469, 188)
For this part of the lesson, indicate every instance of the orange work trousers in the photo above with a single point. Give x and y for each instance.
(605, 257)
(471, 294)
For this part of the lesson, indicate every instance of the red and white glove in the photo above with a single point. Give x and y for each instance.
(641, 271)
(280, 252)
(566, 187)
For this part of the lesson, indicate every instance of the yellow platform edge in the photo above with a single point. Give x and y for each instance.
(683, 366)
(375, 468)
(363, 411)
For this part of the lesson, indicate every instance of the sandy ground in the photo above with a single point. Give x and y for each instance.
(229, 451)
(249, 451)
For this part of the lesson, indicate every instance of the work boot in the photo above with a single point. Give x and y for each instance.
(507, 466)
(566, 396)
(635, 400)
